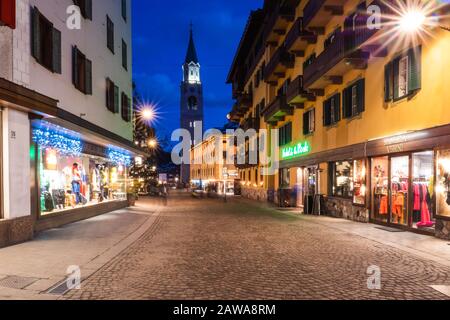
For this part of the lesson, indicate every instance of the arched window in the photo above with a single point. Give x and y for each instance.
(192, 103)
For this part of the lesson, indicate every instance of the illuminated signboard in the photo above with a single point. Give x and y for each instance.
(295, 151)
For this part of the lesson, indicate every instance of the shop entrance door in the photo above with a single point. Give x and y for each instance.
(399, 190)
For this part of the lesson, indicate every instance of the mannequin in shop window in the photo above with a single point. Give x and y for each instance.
(399, 198)
(422, 201)
(76, 183)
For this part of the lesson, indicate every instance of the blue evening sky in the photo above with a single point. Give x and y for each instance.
(160, 39)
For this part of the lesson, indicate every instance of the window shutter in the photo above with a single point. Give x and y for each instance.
(75, 74)
(388, 82)
(124, 10)
(305, 123)
(415, 69)
(108, 94)
(130, 109)
(8, 13)
(124, 55)
(56, 51)
(116, 99)
(35, 41)
(361, 92)
(327, 113)
(337, 108)
(88, 89)
(395, 70)
(88, 8)
(289, 133)
(347, 103)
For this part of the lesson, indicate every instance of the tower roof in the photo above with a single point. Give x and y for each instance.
(191, 55)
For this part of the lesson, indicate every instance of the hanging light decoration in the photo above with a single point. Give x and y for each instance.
(54, 137)
(119, 156)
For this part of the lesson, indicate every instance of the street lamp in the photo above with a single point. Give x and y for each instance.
(147, 113)
(153, 143)
(416, 18)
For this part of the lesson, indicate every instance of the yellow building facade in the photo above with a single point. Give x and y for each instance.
(362, 111)
(210, 170)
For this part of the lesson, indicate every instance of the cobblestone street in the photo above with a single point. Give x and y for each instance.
(208, 249)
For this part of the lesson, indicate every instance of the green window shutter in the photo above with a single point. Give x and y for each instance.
(337, 108)
(361, 92)
(327, 113)
(415, 69)
(56, 51)
(75, 75)
(35, 34)
(129, 109)
(305, 123)
(88, 89)
(388, 82)
(107, 94)
(88, 6)
(395, 71)
(347, 103)
(289, 133)
(116, 99)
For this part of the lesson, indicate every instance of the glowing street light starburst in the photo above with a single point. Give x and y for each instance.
(147, 112)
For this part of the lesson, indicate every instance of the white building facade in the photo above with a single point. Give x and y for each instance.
(66, 112)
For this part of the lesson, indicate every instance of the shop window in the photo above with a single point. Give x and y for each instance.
(124, 55)
(380, 188)
(332, 110)
(110, 34)
(403, 75)
(423, 190)
(342, 179)
(85, 8)
(112, 96)
(8, 13)
(285, 134)
(69, 178)
(81, 71)
(354, 99)
(309, 122)
(359, 182)
(45, 42)
(443, 183)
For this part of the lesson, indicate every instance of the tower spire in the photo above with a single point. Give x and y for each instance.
(191, 55)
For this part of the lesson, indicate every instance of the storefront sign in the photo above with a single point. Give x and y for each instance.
(298, 150)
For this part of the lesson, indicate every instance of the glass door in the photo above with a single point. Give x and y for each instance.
(399, 190)
(380, 189)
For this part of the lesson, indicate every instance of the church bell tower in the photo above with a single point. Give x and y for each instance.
(191, 106)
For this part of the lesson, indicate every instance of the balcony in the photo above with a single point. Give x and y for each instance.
(296, 95)
(278, 23)
(277, 110)
(237, 113)
(298, 38)
(251, 123)
(347, 52)
(281, 61)
(317, 13)
(245, 100)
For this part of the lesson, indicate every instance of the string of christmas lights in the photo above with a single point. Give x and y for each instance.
(119, 157)
(52, 139)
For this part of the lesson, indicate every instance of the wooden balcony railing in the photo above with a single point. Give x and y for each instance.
(280, 61)
(277, 110)
(298, 38)
(251, 123)
(310, 11)
(296, 94)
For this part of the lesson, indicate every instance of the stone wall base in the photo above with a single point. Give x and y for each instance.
(344, 208)
(443, 229)
(15, 231)
(59, 219)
